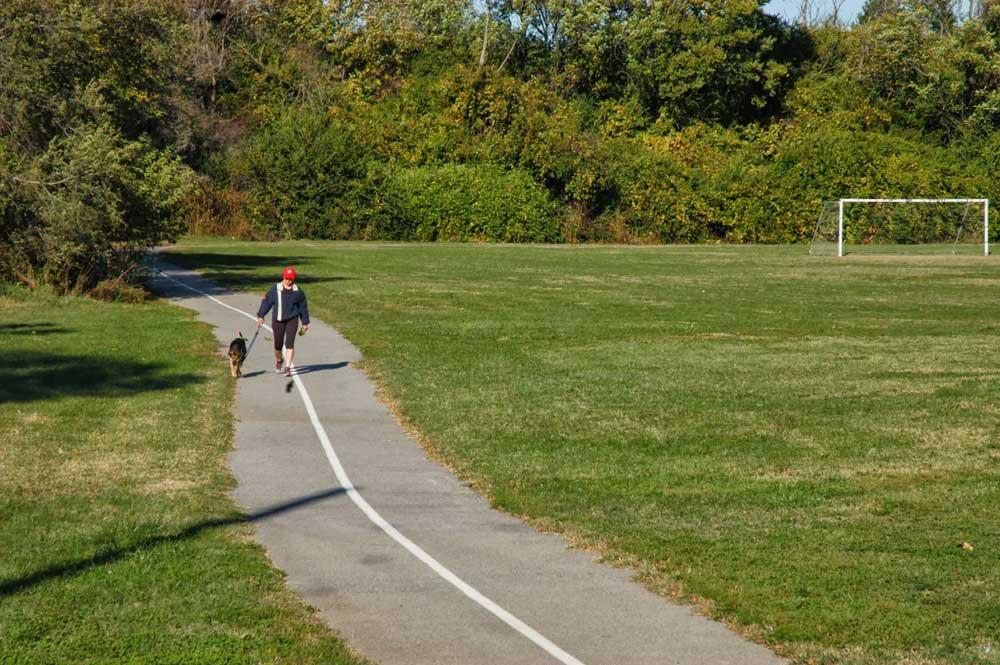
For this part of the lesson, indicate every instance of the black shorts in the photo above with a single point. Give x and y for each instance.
(284, 331)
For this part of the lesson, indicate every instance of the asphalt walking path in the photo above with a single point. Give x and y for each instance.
(405, 562)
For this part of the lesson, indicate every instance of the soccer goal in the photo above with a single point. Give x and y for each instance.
(902, 226)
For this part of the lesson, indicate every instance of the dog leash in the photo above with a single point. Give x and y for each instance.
(250, 345)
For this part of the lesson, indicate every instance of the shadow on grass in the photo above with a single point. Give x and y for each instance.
(41, 328)
(239, 272)
(13, 586)
(28, 376)
(215, 260)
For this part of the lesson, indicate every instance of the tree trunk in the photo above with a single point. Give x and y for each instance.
(486, 38)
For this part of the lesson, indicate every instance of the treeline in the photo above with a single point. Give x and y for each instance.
(124, 123)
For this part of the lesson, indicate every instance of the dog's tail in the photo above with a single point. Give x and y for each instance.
(239, 333)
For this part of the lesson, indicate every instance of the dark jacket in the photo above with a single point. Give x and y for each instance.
(287, 303)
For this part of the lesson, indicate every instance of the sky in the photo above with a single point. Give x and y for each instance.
(789, 9)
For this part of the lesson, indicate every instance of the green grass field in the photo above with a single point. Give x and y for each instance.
(118, 542)
(798, 445)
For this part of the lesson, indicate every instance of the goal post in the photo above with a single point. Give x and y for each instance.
(873, 222)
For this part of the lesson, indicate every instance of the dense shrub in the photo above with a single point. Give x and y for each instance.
(119, 289)
(125, 53)
(772, 190)
(584, 121)
(305, 175)
(926, 77)
(217, 211)
(84, 210)
(412, 126)
(527, 125)
(724, 62)
(662, 186)
(706, 183)
(89, 176)
(466, 202)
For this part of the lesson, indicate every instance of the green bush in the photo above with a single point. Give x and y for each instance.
(771, 186)
(85, 209)
(89, 173)
(119, 290)
(661, 186)
(479, 202)
(305, 175)
(527, 125)
(706, 183)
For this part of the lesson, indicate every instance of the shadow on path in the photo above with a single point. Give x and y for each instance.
(306, 369)
(28, 376)
(9, 587)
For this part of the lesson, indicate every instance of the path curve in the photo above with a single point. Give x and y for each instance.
(515, 596)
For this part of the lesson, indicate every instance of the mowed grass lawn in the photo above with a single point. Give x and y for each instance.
(798, 445)
(118, 542)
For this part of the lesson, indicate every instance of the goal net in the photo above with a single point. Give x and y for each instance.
(902, 226)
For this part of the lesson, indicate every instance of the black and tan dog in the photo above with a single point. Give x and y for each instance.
(237, 354)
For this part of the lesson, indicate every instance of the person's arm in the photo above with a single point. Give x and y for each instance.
(304, 312)
(265, 306)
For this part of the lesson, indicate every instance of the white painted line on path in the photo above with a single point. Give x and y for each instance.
(345, 482)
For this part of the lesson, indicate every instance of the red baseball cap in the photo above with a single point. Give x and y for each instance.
(289, 273)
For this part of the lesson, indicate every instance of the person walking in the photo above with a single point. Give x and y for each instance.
(288, 303)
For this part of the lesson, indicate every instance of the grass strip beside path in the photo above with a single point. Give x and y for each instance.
(798, 444)
(118, 541)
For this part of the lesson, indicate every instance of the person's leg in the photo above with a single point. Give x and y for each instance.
(291, 328)
(278, 328)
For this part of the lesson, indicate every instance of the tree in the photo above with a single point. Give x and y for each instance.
(727, 62)
(374, 41)
(89, 174)
(937, 15)
(927, 79)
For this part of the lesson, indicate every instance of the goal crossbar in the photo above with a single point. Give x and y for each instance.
(986, 216)
(915, 200)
